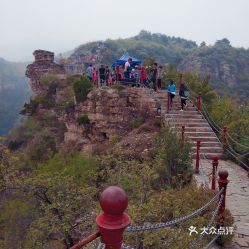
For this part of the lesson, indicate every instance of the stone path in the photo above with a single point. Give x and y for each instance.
(237, 200)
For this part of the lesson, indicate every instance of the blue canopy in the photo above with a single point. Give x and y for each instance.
(124, 58)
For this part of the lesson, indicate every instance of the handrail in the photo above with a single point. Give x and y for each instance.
(86, 241)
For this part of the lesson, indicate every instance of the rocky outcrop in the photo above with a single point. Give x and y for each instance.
(111, 112)
(43, 65)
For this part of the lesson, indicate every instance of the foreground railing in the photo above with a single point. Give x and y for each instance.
(113, 221)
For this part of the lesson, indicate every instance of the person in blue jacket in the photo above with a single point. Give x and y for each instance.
(172, 91)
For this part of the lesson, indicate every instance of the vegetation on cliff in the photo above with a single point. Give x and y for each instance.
(55, 189)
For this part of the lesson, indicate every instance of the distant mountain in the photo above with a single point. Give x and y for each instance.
(144, 46)
(14, 90)
(228, 67)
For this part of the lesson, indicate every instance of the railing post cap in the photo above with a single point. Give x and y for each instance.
(198, 142)
(223, 175)
(113, 200)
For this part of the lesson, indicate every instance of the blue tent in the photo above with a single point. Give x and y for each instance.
(124, 58)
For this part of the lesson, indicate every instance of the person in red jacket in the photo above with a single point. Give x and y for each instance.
(143, 76)
(95, 77)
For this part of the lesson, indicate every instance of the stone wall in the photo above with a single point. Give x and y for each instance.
(43, 65)
(111, 111)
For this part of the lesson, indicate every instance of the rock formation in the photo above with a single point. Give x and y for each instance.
(43, 65)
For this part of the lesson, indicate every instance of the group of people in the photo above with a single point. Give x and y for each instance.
(143, 76)
(139, 75)
(126, 73)
(101, 75)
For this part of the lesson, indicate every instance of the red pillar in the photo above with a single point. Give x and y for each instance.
(113, 220)
(215, 163)
(168, 102)
(197, 161)
(183, 131)
(199, 102)
(223, 181)
(224, 135)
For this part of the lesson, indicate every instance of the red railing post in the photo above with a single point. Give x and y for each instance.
(215, 163)
(113, 220)
(223, 181)
(197, 160)
(199, 102)
(167, 104)
(183, 131)
(225, 135)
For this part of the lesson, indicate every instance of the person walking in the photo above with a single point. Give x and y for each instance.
(89, 72)
(184, 94)
(143, 76)
(95, 77)
(107, 74)
(127, 69)
(154, 73)
(171, 91)
(102, 74)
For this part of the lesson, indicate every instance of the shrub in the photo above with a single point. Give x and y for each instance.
(172, 160)
(82, 87)
(136, 122)
(158, 122)
(83, 120)
(14, 145)
(115, 138)
(30, 108)
(49, 79)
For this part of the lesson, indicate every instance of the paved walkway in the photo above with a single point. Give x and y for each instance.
(237, 200)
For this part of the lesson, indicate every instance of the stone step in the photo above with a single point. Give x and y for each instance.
(208, 144)
(190, 125)
(184, 115)
(189, 112)
(185, 121)
(204, 139)
(194, 129)
(208, 150)
(178, 109)
(208, 155)
(200, 134)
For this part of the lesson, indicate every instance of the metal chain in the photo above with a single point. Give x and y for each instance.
(242, 145)
(243, 164)
(215, 213)
(148, 227)
(124, 246)
(217, 128)
(101, 246)
(211, 242)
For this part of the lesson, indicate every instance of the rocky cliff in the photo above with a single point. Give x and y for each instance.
(111, 112)
(107, 113)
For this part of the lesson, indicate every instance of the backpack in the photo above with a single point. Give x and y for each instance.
(186, 93)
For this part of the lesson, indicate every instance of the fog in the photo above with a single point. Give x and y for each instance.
(61, 25)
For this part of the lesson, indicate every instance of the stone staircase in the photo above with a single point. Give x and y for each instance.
(196, 126)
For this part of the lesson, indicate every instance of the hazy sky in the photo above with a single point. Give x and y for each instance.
(61, 25)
